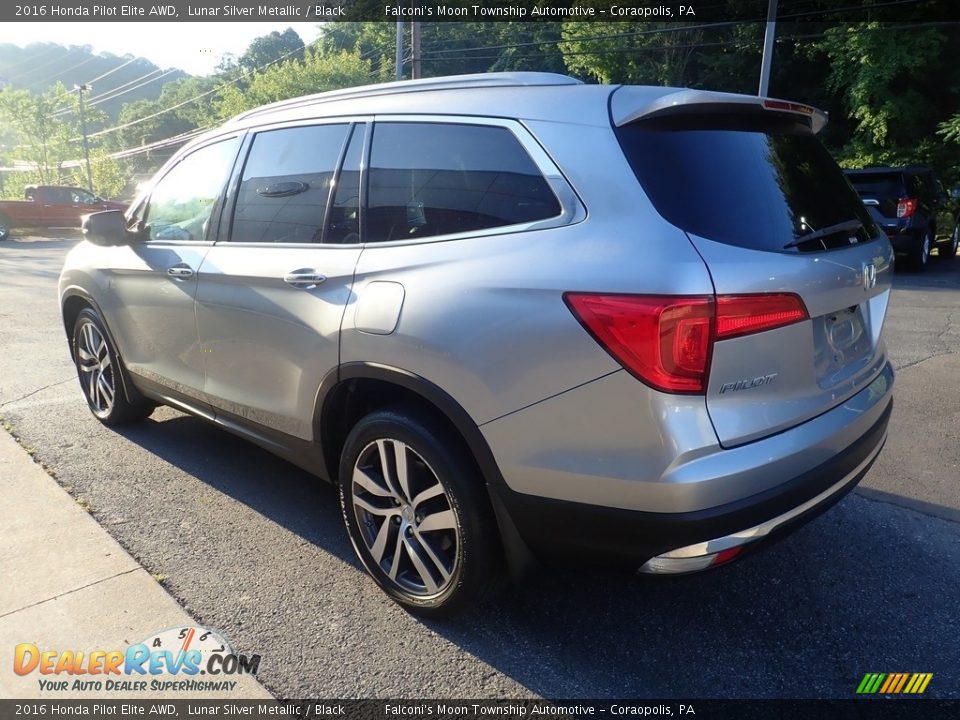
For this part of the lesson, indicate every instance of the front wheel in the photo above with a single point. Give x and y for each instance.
(418, 514)
(101, 374)
(4, 227)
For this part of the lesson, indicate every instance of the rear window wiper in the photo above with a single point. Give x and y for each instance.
(846, 225)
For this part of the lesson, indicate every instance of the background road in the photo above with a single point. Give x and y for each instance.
(255, 547)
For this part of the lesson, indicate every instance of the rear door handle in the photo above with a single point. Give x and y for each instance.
(181, 271)
(304, 278)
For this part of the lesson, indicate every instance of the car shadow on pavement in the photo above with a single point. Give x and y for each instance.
(938, 275)
(868, 587)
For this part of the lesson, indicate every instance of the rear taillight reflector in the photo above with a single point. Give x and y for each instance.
(745, 314)
(906, 207)
(667, 341)
(725, 556)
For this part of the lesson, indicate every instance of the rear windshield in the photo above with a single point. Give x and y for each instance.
(878, 185)
(754, 183)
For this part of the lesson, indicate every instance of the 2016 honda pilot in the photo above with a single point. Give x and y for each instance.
(510, 316)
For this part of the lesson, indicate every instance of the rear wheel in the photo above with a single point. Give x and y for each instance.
(101, 374)
(4, 227)
(417, 513)
(921, 253)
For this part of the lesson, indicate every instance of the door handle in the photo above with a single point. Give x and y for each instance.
(181, 272)
(304, 278)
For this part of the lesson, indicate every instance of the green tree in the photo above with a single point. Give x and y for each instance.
(639, 53)
(111, 177)
(45, 134)
(269, 48)
(887, 83)
(317, 72)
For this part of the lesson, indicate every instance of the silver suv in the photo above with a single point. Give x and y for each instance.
(512, 316)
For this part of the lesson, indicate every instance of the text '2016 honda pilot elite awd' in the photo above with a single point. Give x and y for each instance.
(512, 316)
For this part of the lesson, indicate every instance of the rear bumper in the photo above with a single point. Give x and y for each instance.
(555, 528)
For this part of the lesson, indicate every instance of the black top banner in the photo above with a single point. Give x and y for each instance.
(689, 11)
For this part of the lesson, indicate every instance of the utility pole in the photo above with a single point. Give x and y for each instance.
(415, 49)
(399, 59)
(81, 89)
(768, 48)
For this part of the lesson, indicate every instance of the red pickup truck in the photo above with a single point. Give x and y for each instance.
(48, 206)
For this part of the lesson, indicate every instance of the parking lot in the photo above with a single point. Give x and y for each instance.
(254, 547)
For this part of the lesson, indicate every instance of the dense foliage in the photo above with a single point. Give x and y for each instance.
(891, 88)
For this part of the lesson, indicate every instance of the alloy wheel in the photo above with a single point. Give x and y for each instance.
(96, 368)
(405, 518)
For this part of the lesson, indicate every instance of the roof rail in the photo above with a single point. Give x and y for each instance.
(449, 82)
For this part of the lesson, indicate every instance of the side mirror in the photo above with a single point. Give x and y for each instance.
(106, 228)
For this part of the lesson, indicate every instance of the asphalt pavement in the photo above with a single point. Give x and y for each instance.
(254, 547)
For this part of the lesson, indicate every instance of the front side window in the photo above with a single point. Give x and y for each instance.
(429, 179)
(81, 197)
(182, 202)
(286, 184)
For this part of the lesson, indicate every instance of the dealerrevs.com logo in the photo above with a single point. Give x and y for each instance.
(190, 659)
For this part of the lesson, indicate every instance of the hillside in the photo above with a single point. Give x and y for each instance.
(39, 65)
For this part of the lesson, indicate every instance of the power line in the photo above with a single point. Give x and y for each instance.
(63, 58)
(23, 165)
(69, 69)
(200, 96)
(111, 72)
(106, 97)
(466, 53)
(112, 90)
(51, 47)
(69, 108)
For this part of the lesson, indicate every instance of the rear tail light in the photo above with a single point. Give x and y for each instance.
(667, 341)
(664, 341)
(906, 207)
(745, 314)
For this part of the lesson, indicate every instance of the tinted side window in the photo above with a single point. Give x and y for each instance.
(343, 224)
(182, 202)
(286, 184)
(430, 179)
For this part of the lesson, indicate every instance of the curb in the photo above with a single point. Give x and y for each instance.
(68, 585)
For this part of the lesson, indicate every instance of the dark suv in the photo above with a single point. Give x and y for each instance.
(912, 208)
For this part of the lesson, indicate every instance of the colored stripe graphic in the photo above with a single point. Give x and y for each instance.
(894, 683)
(903, 680)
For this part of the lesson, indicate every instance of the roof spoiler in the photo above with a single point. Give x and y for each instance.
(629, 105)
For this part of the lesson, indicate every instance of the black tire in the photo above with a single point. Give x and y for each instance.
(111, 397)
(5, 227)
(920, 256)
(465, 561)
(948, 250)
